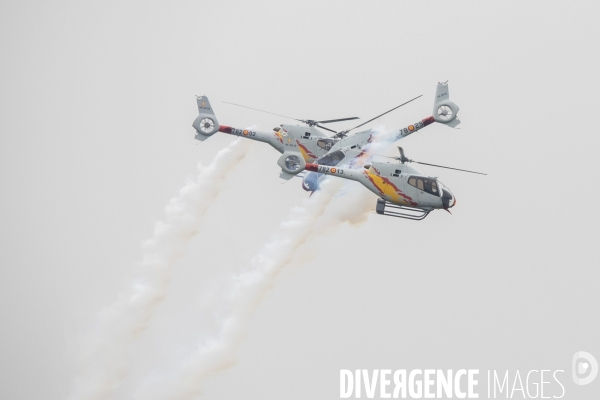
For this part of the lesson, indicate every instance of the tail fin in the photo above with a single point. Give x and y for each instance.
(206, 123)
(444, 111)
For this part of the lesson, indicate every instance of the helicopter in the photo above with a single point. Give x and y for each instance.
(403, 191)
(306, 148)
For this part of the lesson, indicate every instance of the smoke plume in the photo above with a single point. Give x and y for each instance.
(242, 292)
(316, 217)
(239, 299)
(104, 353)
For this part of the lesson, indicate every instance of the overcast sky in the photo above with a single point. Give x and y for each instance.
(98, 101)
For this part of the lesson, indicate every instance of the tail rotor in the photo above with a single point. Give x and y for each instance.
(445, 111)
(206, 123)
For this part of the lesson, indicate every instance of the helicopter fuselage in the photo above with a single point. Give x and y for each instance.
(311, 180)
(307, 140)
(398, 184)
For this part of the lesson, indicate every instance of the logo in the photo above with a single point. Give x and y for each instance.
(411, 128)
(245, 132)
(585, 368)
(333, 170)
(203, 104)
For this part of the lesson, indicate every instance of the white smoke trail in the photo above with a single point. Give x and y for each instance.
(317, 216)
(382, 139)
(104, 354)
(239, 300)
(353, 208)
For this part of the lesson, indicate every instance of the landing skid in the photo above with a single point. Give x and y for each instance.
(413, 213)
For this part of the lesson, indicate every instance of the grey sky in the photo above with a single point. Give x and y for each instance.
(98, 101)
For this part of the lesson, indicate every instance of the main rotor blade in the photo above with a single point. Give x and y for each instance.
(327, 129)
(432, 165)
(336, 120)
(268, 112)
(441, 166)
(380, 115)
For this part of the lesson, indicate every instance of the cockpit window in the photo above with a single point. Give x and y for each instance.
(431, 187)
(425, 184)
(326, 144)
(331, 159)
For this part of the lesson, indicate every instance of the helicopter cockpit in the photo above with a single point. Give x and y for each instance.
(326, 144)
(434, 187)
(332, 159)
(427, 185)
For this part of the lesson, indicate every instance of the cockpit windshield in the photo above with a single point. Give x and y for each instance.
(427, 185)
(325, 144)
(332, 159)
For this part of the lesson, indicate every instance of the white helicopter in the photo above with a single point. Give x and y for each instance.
(403, 191)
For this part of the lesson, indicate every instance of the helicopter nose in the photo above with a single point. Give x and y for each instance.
(448, 199)
(310, 182)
